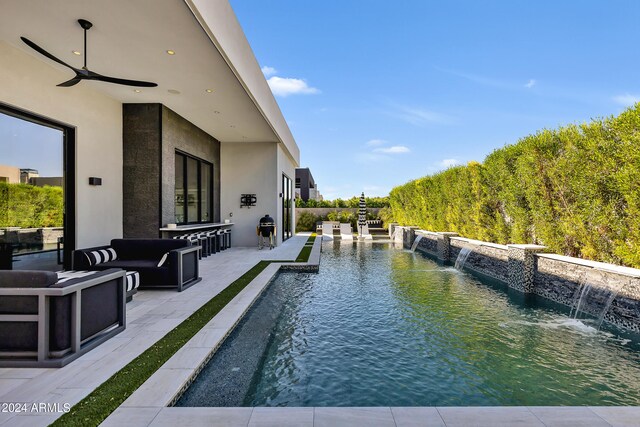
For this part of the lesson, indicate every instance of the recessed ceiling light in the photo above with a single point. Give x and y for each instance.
(208, 90)
(137, 90)
(76, 52)
(173, 91)
(171, 52)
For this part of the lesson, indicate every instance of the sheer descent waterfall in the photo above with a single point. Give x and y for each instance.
(594, 301)
(462, 258)
(415, 243)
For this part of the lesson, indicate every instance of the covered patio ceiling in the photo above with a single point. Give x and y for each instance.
(130, 39)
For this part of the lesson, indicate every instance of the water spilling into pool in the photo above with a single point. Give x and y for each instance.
(385, 327)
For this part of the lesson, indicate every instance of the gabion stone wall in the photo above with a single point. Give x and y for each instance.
(527, 269)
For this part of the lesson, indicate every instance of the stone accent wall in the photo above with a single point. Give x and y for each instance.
(557, 278)
(488, 260)
(428, 244)
(561, 281)
(151, 135)
(521, 266)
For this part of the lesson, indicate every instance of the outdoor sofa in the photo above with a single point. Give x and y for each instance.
(161, 263)
(45, 322)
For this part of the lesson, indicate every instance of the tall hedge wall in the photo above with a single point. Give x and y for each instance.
(575, 189)
(27, 206)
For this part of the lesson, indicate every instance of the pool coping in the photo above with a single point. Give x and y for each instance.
(151, 403)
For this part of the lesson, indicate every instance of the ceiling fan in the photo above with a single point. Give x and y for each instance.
(84, 73)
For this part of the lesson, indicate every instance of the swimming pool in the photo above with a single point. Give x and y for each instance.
(380, 326)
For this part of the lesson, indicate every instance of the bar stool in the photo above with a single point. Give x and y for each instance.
(220, 239)
(193, 240)
(227, 237)
(213, 236)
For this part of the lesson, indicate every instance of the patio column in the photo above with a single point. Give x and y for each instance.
(520, 267)
(444, 245)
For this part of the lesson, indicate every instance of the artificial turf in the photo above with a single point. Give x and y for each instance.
(303, 256)
(102, 401)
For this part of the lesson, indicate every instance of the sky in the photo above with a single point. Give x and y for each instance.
(26, 145)
(378, 93)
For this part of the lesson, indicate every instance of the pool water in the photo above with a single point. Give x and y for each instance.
(381, 326)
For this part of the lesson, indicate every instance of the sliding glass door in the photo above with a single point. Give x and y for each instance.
(36, 192)
(287, 207)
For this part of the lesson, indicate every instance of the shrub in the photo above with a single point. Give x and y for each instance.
(307, 222)
(575, 190)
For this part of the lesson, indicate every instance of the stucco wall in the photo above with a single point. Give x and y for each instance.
(30, 84)
(248, 168)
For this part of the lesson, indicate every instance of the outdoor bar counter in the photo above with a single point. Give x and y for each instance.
(168, 233)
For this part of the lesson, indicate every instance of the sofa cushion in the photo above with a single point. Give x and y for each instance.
(27, 278)
(145, 249)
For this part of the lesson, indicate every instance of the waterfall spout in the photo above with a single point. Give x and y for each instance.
(462, 258)
(415, 243)
(594, 301)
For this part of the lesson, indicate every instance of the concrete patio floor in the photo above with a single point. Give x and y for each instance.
(153, 313)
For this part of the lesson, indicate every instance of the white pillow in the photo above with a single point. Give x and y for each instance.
(163, 259)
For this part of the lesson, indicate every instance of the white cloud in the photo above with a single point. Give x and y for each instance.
(268, 71)
(284, 86)
(395, 149)
(447, 163)
(531, 83)
(376, 142)
(627, 100)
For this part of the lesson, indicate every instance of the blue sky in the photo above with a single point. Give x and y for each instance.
(29, 146)
(378, 93)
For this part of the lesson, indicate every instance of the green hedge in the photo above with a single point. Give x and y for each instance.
(354, 202)
(27, 206)
(575, 189)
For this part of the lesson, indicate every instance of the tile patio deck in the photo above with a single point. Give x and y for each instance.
(153, 313)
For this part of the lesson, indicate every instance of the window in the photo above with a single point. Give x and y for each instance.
(194, 189)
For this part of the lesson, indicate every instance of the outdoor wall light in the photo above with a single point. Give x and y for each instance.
(94, 180)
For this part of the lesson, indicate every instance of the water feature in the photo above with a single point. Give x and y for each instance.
(591, 303)
(379, 326)
(462, 258)
(416, 242)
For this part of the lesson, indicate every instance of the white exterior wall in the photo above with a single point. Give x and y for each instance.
(248, 168)
(30, 84)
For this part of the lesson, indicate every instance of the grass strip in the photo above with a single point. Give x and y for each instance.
(101, 402)
(304, 254)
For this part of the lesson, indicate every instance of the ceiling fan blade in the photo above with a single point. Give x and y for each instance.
(72, 82)
(137, 83)
(40, 50)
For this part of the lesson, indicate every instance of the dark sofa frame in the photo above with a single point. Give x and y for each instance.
(181, 267)
(73, 314)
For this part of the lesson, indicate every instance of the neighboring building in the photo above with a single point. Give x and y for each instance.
(210, 132)
(306, 187)
(26, 175)
(9, 174)
(41, 181)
